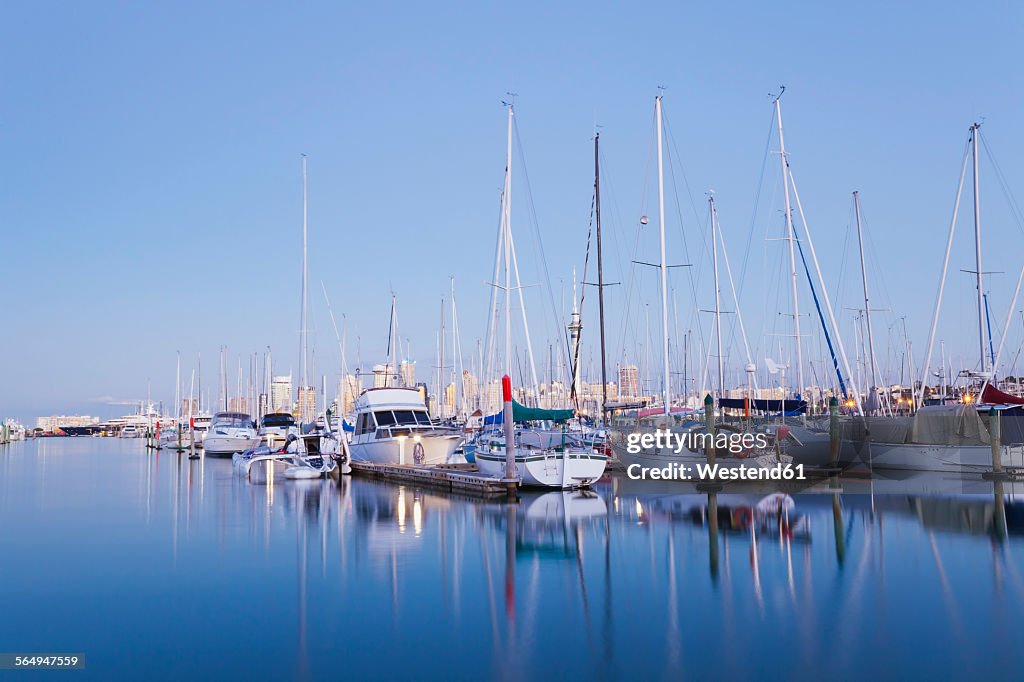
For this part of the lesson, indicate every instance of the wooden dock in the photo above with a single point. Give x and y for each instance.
(464, 478)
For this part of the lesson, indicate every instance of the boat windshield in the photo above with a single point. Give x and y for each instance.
(403, 417)
(236, 419)
(384, 418)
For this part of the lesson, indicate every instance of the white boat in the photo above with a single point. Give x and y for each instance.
(230, 432)
(393, 427)
(545, 459)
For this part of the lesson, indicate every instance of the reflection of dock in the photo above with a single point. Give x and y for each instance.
(462, 478)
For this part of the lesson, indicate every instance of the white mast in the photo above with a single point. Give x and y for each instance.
(303, 417)
(867, 308)
(664, 265)
(507, 246)
(718, 295)
(792, 253)
(177, 388)
(975, 132)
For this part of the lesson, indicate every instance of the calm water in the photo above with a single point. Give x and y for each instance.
(160, 568)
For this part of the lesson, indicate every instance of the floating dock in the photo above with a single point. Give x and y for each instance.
(464, 478)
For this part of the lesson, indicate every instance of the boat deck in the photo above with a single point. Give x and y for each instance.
(454, 477)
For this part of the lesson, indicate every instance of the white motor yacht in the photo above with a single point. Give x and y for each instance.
(393, 427)
(230, 432)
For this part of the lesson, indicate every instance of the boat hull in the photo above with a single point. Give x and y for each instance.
(226, 446)
(436, 450)
(546, 469)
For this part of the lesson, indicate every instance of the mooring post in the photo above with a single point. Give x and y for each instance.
(995, 431)
(709, 427)
(834, 431)
(510, 436)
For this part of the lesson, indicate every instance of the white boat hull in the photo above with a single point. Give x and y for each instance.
(942, 458)
(547, 469)
(225, 446)
(436, 450)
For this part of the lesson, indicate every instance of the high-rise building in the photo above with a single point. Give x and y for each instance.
(383, 375)
(238, 404)
(407, 369)
(307, 403)
(189, 407)
(281, 394)
(629, 382)
(353, 387)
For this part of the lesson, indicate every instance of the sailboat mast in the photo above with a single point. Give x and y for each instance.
(792, 250)
(600, 276)
(664, 264)
(303, 417)
(864, 280)
(975, 132)
(508, 247)
(718, 295)
(177, 388)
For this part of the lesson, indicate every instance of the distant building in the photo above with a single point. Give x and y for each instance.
(307, 403)
(353, 387)
(238, 404)
(264, 405)
(51, 424)
(407, 369)
(189, 406)
(384, 375)
(629, 382)
(281, 394)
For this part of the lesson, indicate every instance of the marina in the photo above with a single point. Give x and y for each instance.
(572, 341)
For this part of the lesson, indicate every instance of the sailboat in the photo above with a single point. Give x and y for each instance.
(312, 449)
(545, 452)
(953, 438)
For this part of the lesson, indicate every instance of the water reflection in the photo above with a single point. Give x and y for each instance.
(621, 581)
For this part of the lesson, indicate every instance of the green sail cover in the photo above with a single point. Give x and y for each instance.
(521, 413)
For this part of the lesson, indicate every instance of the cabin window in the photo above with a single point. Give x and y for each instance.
(384, 418)
(422, 417)
(364, 424)
(404, 417)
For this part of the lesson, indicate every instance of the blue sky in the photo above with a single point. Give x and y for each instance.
(151, 195)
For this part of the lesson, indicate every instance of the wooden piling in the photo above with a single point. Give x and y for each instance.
(834, 431)
(709, 427)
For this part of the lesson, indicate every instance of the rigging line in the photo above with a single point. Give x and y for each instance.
(757, 200)
(821, 318)
(1014, 206)
(536, 233)
(492, 313)
(691, 277)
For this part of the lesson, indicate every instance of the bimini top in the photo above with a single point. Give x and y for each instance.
(384, 398)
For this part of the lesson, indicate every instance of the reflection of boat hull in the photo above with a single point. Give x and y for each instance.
(546, 469)
(436, 450)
